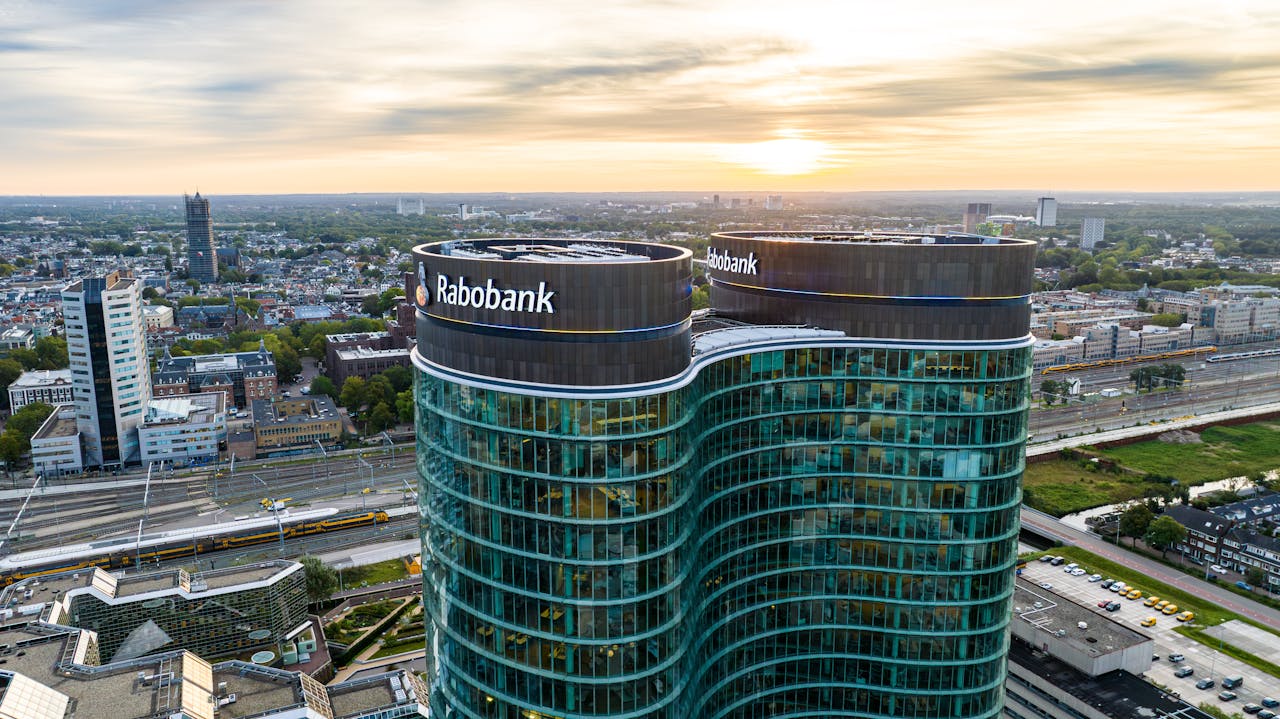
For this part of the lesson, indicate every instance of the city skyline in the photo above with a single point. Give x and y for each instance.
(140, 98)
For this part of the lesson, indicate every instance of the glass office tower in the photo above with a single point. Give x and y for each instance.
(803, 503)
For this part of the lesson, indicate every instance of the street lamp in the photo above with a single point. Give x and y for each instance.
(360, 458)
(272, 508)
(387, 438)
(327, 475)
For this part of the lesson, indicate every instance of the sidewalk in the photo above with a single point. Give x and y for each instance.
(359, 665)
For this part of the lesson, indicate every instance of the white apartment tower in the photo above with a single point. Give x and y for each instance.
(110, 376)
(1046, 212)
(1091, 232)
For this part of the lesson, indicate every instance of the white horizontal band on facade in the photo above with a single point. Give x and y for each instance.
(700, 361)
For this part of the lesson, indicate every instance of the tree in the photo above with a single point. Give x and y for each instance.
(288, 364)
(1142, 378)
(15, 441)
(1135, 521)
(405, 405)
(1255, 576)
(401, 378)
(390, 297)
(10, 448)
(52, 352)
(10, 369)
(352, 396)
(323, 385)
(25, 357)
(371, 305)
(194, 284)
(1168, 319)
(1164, 532)
(1051, 391)
(381, 418)
(379, 390)
(320, 577)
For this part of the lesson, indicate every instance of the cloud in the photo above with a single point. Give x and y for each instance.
(658, 82)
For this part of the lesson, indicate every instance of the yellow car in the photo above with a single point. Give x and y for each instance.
(1171, 609)
(1134, 594)
(1186, 616)
(1160, 605)
(1149, 622)
(1151, 601)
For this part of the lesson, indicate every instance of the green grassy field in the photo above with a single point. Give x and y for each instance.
(388, 571)
(1243, 450)
(1060, 487)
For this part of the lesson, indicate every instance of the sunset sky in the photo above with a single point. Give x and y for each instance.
(148, 97)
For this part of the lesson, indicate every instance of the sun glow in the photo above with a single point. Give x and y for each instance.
(784, 156)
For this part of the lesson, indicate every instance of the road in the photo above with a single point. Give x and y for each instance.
(1051, 527)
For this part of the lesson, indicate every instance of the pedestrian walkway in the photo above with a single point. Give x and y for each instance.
(360, 665)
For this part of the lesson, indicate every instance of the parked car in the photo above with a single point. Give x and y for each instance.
(1184, 672)
(1079, 572)
(1134, 594)
(1103, 604)
(1226, 696)
(1106, 583)
(1245, 586)
(1269, 702)
(1232, 682)
(1170, 609)
(1046, 585)
(1186, 616)
(1057, 561)
(1218, 569)
(1070, 567)
(1266, 714)
(1046, 557)
(1175, 658)
(1113, 607)
(1251, 708)
(1095, 577)
(1204, 684)
(1151, 601)
(1149, 622)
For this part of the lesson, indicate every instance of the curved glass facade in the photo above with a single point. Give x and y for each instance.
(815, 531)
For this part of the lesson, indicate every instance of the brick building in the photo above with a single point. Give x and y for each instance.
(242, 376)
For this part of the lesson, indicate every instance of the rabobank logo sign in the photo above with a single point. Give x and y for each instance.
(722, 260)
(489, 297)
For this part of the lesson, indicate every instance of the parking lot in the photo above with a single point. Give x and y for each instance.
(1206, 662)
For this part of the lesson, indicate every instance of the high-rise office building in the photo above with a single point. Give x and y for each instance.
(202, 255)
(411, 206)
(1092, 230)
(804, 503)
(1046, 212)
(110, 376)
(975, 214)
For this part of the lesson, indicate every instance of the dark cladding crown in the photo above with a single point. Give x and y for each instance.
(555, 311)
(883, 285)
